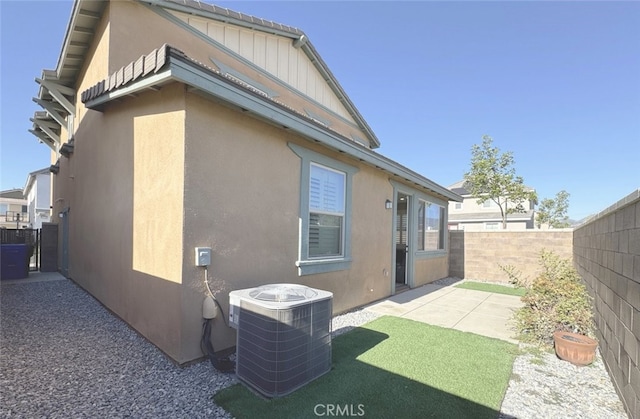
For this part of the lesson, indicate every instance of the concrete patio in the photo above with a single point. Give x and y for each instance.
(483, 313)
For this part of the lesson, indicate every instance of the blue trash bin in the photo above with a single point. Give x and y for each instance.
(14, 261)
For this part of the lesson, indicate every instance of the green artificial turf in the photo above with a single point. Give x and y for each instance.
(495, 288)
(395, 368)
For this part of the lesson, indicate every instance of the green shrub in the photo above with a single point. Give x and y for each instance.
(555, 300)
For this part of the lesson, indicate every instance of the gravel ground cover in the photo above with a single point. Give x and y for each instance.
(64, 355)
(543, 386)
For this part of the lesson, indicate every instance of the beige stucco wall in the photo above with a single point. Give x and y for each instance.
(126, 227)
(477, 255)
(429, 270)
(93, 70)
(242, 196)
(96, 64)
(137, 30)
(155, 175)
(470, 206)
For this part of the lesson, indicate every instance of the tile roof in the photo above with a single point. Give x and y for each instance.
(84, 18)
(207, 10)
(153, 63)
(460, 189)
(12, 194)
(147, 65)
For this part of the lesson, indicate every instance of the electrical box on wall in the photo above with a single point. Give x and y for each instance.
(203, 256)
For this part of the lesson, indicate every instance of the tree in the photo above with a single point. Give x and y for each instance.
(493, 177)
(554, 211)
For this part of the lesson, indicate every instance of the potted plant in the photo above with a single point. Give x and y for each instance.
(557, 310)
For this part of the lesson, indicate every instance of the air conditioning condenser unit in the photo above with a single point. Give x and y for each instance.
(283, 336)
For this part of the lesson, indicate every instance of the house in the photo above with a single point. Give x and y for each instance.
(179, 124)
(37, 190)
(13, 209)
(471, 216)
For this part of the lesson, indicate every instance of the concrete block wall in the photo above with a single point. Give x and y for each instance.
(478, 254)
(607, 256)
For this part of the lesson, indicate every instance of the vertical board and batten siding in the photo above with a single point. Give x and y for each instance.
(274, 54)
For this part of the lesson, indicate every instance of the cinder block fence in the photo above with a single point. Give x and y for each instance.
(479, 254)
(606, 253)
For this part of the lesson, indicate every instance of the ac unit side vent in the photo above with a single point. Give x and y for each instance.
(281, 349)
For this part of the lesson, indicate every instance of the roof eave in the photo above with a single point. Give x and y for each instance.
(58, 86)
(222, 14)
(212, 12)
(322, 67)
(90, 9)
(208, 82)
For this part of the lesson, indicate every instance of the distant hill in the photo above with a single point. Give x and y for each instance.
(575, 223)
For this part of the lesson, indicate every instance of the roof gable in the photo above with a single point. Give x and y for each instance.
(279, 56)
(169, 65)
(304, 73)
(281, 52)
(460, 188)
(12, 194)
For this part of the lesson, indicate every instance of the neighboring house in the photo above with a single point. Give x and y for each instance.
(471, 216)
(13, 209)
(38, 193)
(193, 125)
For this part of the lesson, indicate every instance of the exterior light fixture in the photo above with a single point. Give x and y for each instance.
(388, 204)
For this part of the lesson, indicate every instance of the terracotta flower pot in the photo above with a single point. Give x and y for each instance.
(575, 348)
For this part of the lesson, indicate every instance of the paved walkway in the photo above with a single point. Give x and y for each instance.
(483, 313)
(36, 277)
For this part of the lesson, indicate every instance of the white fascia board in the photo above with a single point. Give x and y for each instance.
(44, 139)
(220, 18)
(299, 41)
(44, 123)
(321, 66)
(135, 87)
(47, 128)
(218, 86)
(58, 91)
(53, 112)
(267, 109)
(55, 137)
(51, 85)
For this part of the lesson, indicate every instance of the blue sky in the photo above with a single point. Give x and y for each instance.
(556, 83)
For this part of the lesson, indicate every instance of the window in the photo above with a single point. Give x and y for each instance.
(325, 213)
(458, 205)
(24, 208)
(3, 209)
(487, 204)
(430, 226)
